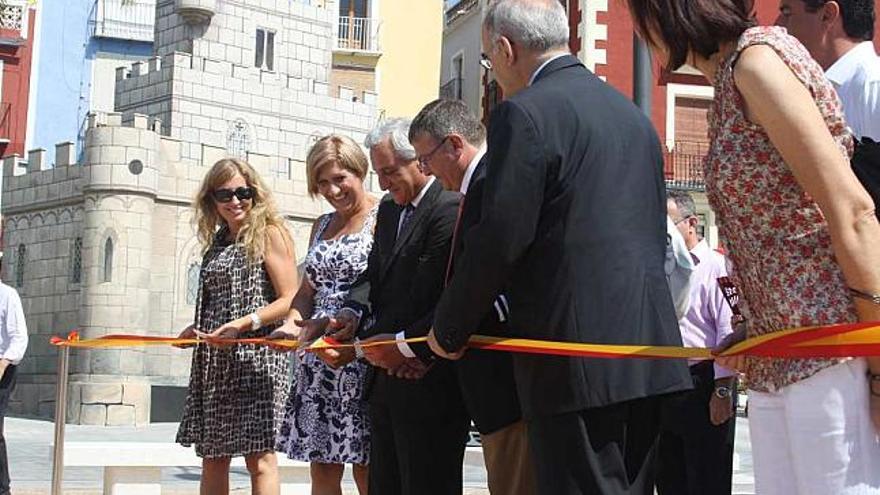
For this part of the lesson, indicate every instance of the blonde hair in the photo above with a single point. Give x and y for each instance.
(341, 150)
(261, 215)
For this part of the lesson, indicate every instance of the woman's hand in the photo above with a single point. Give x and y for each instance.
(187, 333)
(227, 331)
(735, 363)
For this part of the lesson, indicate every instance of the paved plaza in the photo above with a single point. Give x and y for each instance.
(30, 456)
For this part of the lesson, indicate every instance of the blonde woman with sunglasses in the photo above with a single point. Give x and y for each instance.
(237, 392)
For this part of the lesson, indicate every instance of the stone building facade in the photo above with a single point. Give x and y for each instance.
(102, 241)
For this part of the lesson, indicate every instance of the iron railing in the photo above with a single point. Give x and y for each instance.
(125, 19)
(452, 89)
(683, 167)
(357, 33)
(12, 15)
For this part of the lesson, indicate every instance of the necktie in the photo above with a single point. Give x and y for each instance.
(454, 240)
(405, 217)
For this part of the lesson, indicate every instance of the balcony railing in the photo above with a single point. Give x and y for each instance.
(12, 15)
(125, 19)
(452, 89)
(683, 168)
(357, 34)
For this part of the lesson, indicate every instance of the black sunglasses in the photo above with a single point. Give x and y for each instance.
(225, 195)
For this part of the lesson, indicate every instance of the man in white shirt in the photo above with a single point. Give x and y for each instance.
(838, 34)
(13, 342)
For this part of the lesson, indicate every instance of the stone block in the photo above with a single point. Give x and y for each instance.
(106, 362)
(65, 154)
(46, 409)
(93, 414)
(101, 393)
(74, 402)
(131, 362)
(120, 415)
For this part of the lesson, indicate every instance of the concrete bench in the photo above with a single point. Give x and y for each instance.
(135, 468)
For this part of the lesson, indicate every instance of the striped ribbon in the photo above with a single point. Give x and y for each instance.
(843, 340)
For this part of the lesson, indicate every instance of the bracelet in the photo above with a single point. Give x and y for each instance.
(872, 379)
(874, 298)
(256, 322)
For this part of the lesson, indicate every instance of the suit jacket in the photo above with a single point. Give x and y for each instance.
(486, 377)
(404, 279)
(572, 228)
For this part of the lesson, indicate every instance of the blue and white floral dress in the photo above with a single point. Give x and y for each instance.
(326, 417)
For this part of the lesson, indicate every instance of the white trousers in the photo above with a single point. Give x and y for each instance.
(815, 437)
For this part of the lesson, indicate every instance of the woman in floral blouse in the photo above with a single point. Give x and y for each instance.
(801, 232)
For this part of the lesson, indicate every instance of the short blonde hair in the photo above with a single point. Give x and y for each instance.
(341, 150)
(262, 215)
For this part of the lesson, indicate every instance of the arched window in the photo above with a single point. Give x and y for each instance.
(192, 282)
(108, 260)
(20, 259)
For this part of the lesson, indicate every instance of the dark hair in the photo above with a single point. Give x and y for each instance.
(858, 16)
(691, 25)
(443, 117)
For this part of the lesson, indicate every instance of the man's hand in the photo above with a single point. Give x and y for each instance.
(438, 350)
(4, 363)
(386, 356)
(411, 369)
(735, 363)
(720, 410)
(311, 330)
(336, 358)
(344, 325)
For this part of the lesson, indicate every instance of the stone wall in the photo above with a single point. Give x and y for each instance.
(126, 209)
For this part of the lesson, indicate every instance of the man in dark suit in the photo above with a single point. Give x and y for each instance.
(572, 229)
(451, 141)
(419, 427)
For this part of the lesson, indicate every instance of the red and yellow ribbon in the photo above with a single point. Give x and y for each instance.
(843, 340)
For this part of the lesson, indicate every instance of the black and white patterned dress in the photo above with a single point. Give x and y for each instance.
(236, 396)
(327, 416)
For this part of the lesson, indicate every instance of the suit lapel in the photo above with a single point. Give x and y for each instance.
(419, 216)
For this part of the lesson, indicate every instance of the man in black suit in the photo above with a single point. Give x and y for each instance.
(451, 141)
(419, 427)
(572, 229)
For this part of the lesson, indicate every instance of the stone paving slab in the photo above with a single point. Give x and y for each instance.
(30, 457)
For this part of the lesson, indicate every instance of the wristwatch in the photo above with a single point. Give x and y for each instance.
(722, 392)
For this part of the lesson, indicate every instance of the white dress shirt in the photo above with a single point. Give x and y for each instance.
(856, 77)
(545, 64)
(13, 331)
(469, 172)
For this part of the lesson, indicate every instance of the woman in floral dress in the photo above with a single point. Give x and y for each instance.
(327, 421)
(800, 230)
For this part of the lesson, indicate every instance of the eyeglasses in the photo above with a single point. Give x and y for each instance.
(676, 222)
(485, 62)
(424, 159)
(225, 195)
